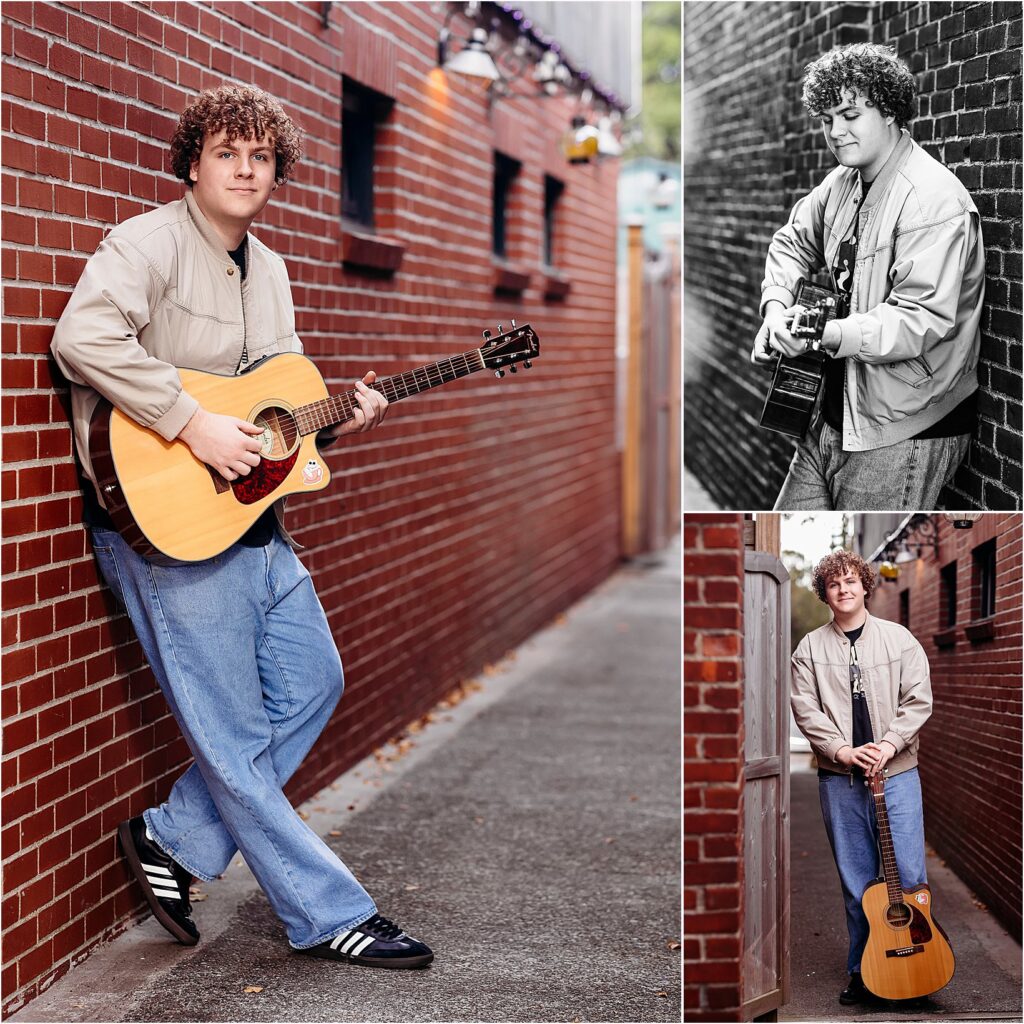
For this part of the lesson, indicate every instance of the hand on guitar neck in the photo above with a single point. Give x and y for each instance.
(774, 337)
(872, 757)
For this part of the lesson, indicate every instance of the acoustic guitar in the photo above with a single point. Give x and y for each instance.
(170, 507)
(907, 953)
(796, 384)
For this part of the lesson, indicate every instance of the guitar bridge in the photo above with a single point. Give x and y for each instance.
(905, 951)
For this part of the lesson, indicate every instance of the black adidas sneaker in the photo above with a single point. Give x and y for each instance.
(164, 881)
(374, 943)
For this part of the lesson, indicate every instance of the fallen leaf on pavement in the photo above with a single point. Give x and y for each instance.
(673, 944)
(200, 897)
(253, 988)
(334, 832)
(662, 994)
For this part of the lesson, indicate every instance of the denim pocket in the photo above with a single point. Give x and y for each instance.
(108, 569)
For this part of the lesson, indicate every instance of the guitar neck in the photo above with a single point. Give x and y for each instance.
(339, 408)
(889, 869)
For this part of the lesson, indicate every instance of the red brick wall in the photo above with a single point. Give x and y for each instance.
(971, 747)
(752, 152)
(450, 535)
(712, 764)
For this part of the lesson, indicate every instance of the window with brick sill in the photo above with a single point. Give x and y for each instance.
(983, 594)
(363, 112)
(508, 277)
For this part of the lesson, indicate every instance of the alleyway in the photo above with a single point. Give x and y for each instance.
(530, 836)
(987, 982)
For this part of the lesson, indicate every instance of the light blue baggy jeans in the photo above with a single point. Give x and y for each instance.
(907, 475)
(849, 813)
(243, 653)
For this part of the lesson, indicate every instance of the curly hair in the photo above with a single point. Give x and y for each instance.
(839, 563)
(870, 70)
(244, 112)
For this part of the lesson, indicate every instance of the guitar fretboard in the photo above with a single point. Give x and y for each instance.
(339, 408)
(893, 885)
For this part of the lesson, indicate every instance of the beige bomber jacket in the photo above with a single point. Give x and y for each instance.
(897, 684)
(160, 292)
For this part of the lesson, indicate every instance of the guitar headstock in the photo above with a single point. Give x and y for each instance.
(509, 348)
(877, 782)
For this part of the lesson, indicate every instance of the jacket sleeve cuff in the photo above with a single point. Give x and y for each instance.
(834, 747)
(778, 293)
(895, 739)
(171, 424)
(849, 338)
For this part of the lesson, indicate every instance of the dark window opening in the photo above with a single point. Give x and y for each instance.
(947, 596)
(505, 171)
(553, 189)
(985, 580)
(905, 608)
(363, 110)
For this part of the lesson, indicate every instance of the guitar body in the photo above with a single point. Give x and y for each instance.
(164, 501)
(907, 954)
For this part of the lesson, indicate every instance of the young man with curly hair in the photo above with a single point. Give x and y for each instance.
(239, 644)
(861, 691)
(900, 238)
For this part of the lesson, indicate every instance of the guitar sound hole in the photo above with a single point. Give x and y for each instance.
(280, 435)
(897, 915)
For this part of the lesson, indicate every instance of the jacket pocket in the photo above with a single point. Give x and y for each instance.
(914, 372)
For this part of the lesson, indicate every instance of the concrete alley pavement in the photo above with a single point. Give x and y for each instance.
(986, 984)
(530, 837)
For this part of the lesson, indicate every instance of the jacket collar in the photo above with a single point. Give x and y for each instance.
(897, 158)
(842, 636)
(207, 232)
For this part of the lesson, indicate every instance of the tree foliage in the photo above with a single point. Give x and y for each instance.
(662, 94)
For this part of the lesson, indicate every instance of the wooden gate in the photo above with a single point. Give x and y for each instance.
(765, 970)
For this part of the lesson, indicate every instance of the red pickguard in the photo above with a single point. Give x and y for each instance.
(264, 479)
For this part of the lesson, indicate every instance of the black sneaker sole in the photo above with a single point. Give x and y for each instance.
(124, 836)
(392, 963)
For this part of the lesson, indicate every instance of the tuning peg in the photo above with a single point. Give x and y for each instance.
(487, 335)
(499, 373)
(513, 325)
(501, 330)
(527, 364)
(512, 368)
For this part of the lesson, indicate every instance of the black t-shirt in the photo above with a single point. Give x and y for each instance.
(862, 732)
(960, 420)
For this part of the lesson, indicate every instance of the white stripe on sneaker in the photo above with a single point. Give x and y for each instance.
(156, 869)
(339, 939)
(167, 894)
(356, 936)
(362, 945)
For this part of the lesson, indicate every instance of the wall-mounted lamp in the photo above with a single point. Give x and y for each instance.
(962, 520)
(472, 60)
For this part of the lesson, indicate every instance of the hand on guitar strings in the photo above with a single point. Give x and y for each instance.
(774, 338)
(225, 443)
(370, 411)
(872, 757)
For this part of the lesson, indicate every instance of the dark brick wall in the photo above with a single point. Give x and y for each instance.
(750, 152)
(971, 746)
(478, 511)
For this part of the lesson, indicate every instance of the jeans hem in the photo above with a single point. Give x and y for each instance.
(166, 847)
(335, 932)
